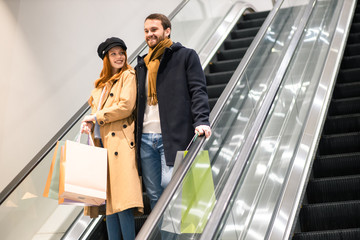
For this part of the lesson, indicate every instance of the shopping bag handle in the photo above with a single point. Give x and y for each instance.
(90, 140)
(192, 141)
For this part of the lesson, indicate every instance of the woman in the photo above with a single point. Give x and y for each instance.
(112, 124)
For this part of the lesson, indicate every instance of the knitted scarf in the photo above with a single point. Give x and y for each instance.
(152, 62)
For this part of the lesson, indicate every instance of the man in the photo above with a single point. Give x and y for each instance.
(172, 104)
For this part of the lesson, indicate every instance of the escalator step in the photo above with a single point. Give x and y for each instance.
(347, 90)
(350, 62)
(241, 33)
(337, 165)
(353, 38)
(355, 27)
(228, 65)
(212, 102)
(352, 50)
(341, 234)
(218, 78)
(231, 54)
(214, 91)
(339, 143)
(330, 216)
(333, 189)
(348, 75)
(344, 106)
(250, 23)
(139, 222)
(342, 124)
(238, 43)
(356, 18)
(256, 15)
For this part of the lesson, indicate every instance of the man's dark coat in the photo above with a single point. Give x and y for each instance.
(182, 98)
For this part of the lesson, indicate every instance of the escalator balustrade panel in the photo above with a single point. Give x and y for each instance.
(331, 207)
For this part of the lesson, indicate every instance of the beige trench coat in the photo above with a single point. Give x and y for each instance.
(117, 122)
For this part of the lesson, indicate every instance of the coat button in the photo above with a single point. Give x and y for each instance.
(124, 126)
(116, 153)
(111, 94)
(112, 134)
(132, 143)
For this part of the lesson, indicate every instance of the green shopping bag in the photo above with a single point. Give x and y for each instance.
(198, 195)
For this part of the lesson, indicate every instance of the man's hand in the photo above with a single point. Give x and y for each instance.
(203, 129)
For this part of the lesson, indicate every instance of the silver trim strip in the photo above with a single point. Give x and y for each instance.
(215, 220)
(295, 185)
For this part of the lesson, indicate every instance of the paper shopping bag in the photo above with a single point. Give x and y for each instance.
(198, 195)
(52, 184)
(83, 173)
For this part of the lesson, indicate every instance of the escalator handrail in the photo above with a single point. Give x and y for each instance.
(66, 128)
(179, 175)
(219, 210)
(299, 174)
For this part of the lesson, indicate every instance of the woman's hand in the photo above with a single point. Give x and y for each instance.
(87, 124)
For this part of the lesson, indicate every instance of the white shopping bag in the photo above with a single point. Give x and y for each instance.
(83, 173)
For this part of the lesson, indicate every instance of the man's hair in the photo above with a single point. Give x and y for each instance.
(165, 22)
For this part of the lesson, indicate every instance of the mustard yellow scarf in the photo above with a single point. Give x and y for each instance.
(152, 62)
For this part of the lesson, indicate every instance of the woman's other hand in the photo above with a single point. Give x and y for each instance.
(87, 124)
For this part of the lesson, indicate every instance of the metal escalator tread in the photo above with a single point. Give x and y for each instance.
(331, 209)
(348, 234)
(224, 63)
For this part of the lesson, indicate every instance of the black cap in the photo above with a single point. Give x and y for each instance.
(109, 43)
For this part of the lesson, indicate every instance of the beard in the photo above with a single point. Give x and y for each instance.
(154, 40)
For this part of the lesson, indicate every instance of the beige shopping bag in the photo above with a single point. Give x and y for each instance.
(52, 183)
(83, 173)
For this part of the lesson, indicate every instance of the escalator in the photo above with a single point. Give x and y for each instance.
(239, 112)
(331, 207)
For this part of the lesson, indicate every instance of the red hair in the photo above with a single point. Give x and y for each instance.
(106, 73)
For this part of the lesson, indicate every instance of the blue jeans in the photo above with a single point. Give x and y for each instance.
(121, 225)
(156, 174)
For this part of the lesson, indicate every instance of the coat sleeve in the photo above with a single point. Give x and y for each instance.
(197, 88)
(124, 104)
